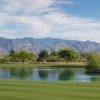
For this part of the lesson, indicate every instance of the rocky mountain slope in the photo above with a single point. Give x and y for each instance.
(49, 44)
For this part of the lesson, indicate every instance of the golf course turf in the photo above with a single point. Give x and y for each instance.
(33, 90)
(55, 64)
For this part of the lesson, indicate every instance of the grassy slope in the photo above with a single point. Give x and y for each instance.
(30, 90)
(42, 65)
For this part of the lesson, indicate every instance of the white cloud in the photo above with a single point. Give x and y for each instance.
(71, 21)
(29, 25)
(30, 6)
(25, 6)
(82, 35)
(40, 18)
(69, 2)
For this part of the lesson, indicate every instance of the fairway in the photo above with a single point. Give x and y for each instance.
(32, 90)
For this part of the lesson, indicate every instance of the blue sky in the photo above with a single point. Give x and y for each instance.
(84, 8)
(66, 19)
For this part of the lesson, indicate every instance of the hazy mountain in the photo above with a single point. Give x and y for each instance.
(49, 44)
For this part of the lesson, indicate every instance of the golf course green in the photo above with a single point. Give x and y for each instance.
(33, 90)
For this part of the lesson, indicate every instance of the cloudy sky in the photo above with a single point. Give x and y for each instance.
(66, 19)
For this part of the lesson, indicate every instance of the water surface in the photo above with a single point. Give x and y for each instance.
(49, 74)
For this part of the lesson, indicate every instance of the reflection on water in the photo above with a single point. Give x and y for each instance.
(43, 74)
(49, 74)
(95, 79)
(67, 74)
(22, 73)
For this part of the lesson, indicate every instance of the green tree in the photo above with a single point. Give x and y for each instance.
(14, 56)
(2, 60)
(43, 56)
(52, 59)
(13, 53)
(32, 57)
(68, 54)
(93, 61)
(24, 55)
(53, 53)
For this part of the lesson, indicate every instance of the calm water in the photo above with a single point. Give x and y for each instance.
(49, 74)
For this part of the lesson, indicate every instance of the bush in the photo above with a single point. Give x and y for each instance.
(4, 60)
(52, 59)
(14, 59)
(61, 59)
(33, 59)
(93, 62)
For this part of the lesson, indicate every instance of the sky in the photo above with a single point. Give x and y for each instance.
(65, 19)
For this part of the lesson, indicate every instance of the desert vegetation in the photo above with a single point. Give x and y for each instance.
(64, 55)
(93, 62)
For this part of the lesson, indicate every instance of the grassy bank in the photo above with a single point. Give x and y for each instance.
(56, 64)
(30, 90)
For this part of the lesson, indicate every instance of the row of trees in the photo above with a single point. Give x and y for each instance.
(62, 55)
(24, 56)
(21, 56)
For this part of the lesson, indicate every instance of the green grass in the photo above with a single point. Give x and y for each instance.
(32, 90)
(61, 64)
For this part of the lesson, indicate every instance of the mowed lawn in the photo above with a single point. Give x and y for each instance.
(53, 64)
(32, 90)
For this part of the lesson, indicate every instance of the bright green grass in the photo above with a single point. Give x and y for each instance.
(31, 90)
(43, 65)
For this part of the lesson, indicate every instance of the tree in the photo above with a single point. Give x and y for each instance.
(13, 53)
(68, 54)
(93, 61)
(52, 59)
(32, 57)
(3, 60)
(24, 55)
(14, 56)
(53, 53)
(43, 55)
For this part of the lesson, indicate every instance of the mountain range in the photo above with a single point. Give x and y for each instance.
(50, 44)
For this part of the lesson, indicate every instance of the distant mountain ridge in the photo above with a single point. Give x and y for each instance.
(49, 44)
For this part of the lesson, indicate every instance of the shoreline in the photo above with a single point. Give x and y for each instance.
(79, 65)
(96, 71)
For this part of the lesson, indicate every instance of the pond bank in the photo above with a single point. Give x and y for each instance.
(44, 65)
(95, 71)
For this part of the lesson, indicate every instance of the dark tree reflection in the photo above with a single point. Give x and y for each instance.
(43, 74)
(95, 79)
(20, 72)
(67, 74)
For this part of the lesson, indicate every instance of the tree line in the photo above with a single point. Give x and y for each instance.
(63, 55)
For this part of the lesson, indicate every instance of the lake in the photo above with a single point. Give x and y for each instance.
(49, 74)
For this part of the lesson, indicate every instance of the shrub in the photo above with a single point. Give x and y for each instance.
(93, 61)
(52, 59)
